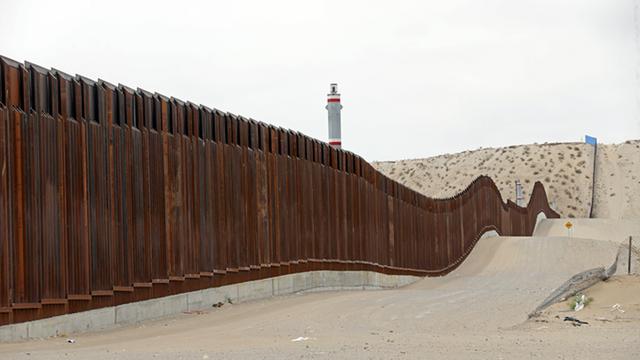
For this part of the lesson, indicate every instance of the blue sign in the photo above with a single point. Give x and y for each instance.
(590, 140)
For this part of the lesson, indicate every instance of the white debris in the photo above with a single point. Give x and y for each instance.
(300, 338)
(579, 303)
(617, 307)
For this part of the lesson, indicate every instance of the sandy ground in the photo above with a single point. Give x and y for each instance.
(615, 301)
(565, 169)
(478, 311)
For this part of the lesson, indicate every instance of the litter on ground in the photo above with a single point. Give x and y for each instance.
(617, 307)
(300, 338)
(575, 322)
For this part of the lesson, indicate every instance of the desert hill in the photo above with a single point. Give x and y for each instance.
(565, 169)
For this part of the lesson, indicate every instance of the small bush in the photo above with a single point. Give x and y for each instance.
(574, 300)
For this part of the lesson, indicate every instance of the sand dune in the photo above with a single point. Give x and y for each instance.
(565, 169)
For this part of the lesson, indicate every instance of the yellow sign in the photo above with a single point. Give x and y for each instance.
(568, 225)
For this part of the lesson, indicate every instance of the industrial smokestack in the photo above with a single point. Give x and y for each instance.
(333, 107)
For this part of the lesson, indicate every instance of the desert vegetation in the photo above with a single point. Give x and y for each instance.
(565, 169)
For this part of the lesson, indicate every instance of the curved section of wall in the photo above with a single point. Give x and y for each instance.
(110, 195)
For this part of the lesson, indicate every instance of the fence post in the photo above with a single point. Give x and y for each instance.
(629, 257)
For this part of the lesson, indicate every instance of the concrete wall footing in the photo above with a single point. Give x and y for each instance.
(131, 313)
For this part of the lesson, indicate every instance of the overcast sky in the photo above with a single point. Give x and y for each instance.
(418, 78)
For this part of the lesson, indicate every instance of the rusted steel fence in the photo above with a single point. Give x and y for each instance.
(110, 195)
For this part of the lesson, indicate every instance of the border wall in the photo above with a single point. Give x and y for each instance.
(110, 195)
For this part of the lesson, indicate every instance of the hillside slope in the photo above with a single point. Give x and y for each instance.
(565, 169)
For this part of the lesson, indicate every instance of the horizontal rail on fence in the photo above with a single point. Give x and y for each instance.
(110, 195)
